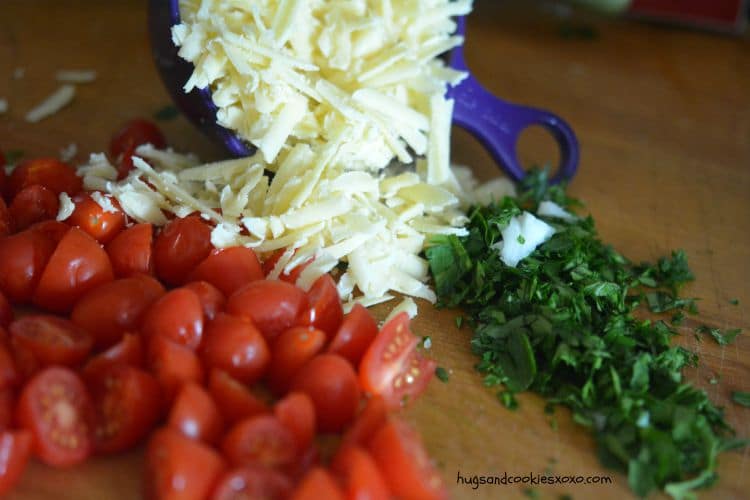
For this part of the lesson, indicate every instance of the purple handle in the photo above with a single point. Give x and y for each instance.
(498, 124)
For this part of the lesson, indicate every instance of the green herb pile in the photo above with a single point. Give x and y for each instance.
(567, 323)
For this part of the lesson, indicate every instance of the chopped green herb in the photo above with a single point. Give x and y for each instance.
(167, 113)
(678, 318)
(734, 302)
(553, 424)
(442, 374)
(741, 398)
(531, 493)
(508, 399)
(459, 321)
(578, 32)
(12, 156)
(566, 496)
(521, 240)
(722, 337)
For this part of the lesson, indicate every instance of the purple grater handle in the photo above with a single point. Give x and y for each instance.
(498, 124)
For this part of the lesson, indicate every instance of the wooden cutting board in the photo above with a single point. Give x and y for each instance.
(663, 117)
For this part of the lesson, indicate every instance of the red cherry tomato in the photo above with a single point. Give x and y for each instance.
(331, 383)
(129, 351)
(290, 276)
(9, 376)
(180, 247)
(325, 311)
(368, 422)
(392, 367)
(297, 413)
(110, 310)
(260, 440)
(6, 223)
(15, 450)
(291, 350)
(194, 413)
(133, 134)
(359, 474)
(24, 257)
(100, 224)
(317, 484)
(272, 306)
(212, 300)
(173, 364)
(180, 468)
(51, 173)
(128, 404)
(53, 230)
(130, 251)
(178, 316)
(78, 264)
(354, 336)
(305, 461)
(234, 400)
(234, 345)
(7, 408)
(57, 409)
(6, 311)
(252, 482)
(33, 204)
(51, 340)
(229, 269)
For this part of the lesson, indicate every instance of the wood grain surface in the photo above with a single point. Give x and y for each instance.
(663, 117)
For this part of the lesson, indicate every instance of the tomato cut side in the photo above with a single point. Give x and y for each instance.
(128, 351)
(252, 482)
(178, 316)
(211, 299)
(357, 331)
(24, 257)
(317, 484)
(234, 400)
(15, 450)
(229, 269)
(173, 364)
(99, 222)
(195, 414)
(324, 311)
(368, 422)
(234, 345)
(131, 251)
(51, 173)
(260, 440)
(78, 265)
(297, 413)
(359, 474)
(56, 407)
(290, 351)
(180, 247)
(272, 306)
(51, 340)
(33, 204)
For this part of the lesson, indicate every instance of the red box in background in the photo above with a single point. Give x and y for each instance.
(723, 15)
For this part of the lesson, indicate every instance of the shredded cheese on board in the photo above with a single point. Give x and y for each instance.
(52, 104)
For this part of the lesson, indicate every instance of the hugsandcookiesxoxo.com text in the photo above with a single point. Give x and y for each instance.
(530, 479)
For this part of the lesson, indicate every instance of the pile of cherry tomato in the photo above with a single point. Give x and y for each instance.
(129, 334)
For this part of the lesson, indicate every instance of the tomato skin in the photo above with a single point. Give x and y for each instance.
(51, 340)
(357, 331)
(359, 474)
(77, 265)
(296, 412)
(6, 223)
(173, 364)
(368, 422)
(195, 414)
(325, 311)
(9, 376)
(290, 351)
(229, 269)
(317, 484)
(272, 306)
(178, 316)
(234, 345)
(252, 482)
(234, 400)
(211, 299)
(404, 463)
(100, 224)
(24, 257)
(53, 230)
(15, 450)
(131, 251)
(259, 440)
(51, 173)
(179, 468)
(292, 275)
(6, 311)
(128, 404)
(129, 351)
(33, 204)
(331, 383)
(110, 310)
(132, 134)
(56, 407)
(180, 247)
(7, 407)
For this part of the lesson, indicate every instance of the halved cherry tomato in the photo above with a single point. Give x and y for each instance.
(6, 311)
(234, 400)
(194, 413)
(53, 230)
(7, 408)
(9, 376)
(368, 422)
(57, 409)
(317, 484)
(404, 463)
(259, 440)
(229, 269)
(77, 265)
(130, 251)
(291, 350)
(252, 482)
(178, 316)
(51, 340)
(325, 311)
(129, 351)
(51, 173)
(332, 385)
(359, 474)
(180, 468)
(173, 364)
(305, 461)
(273, 306)
(392, 367)
(133, 134)
(101, 224)
(180, 247)
(292, 275)
(354, 336)
(110, 310)
(297, 413)
(128, 404)
(6, 223)
(212, 300)
(234, 345)
(24, 257)
(15, 450)
(33, 204)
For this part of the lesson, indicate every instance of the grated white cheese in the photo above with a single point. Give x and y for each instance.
(521, 237)
(69, 152)
(52, 104)
(76, 76)
(104, 201)
(67, 207)
(3, 106)
(552, 209)
(407, 305)
(19, 73)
